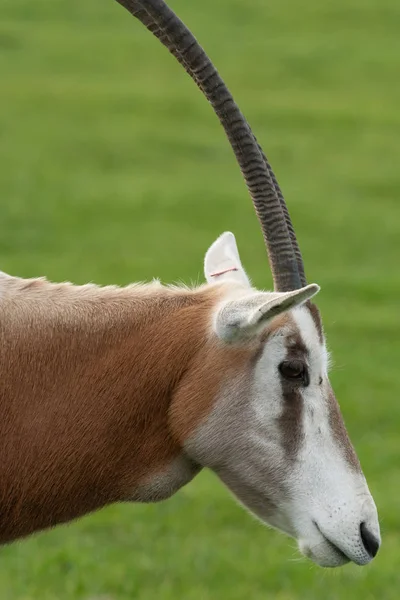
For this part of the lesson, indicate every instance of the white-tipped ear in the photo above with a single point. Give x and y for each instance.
(222, 261)
(244, 318)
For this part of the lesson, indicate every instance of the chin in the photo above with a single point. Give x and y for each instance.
(324, 555)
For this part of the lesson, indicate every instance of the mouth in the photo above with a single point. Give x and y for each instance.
(324, 553)
(331, 557)
(344, 559)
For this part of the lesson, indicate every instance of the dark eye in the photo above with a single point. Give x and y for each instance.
(294, 370)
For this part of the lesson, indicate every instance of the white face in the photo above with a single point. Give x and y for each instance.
(276, 437)
(281, 447)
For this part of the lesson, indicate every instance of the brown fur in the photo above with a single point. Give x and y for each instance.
(87, 377)
(213, 366)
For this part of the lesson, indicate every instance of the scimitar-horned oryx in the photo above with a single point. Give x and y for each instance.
(115, 394)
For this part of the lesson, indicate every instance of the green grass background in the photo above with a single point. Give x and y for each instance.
(114, 169)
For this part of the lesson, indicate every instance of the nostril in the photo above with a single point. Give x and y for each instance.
(371, 544)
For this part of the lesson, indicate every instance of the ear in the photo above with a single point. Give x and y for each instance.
(244, 318)
(222, 261)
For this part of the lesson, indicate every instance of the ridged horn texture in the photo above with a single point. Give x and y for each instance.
(283, 250)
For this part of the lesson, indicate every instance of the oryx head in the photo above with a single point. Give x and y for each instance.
(275, 435)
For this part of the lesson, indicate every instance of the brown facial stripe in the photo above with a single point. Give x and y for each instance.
(296, 347)
(291, 423)
(339, 432)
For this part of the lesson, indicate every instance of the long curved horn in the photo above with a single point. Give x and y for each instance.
(277, 231)
(136, 7)
(289, 224)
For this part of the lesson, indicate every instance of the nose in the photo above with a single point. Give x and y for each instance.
(371, 543)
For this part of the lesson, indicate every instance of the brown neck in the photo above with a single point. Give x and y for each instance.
(87, 380)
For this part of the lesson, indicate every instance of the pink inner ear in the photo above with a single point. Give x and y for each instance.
(223, 272)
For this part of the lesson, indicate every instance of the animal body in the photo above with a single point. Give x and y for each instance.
(124, 394)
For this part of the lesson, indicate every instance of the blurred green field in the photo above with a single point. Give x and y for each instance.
(114, 169)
